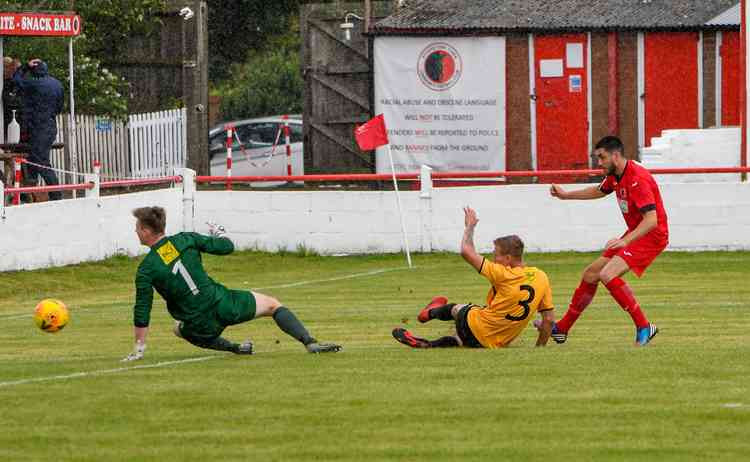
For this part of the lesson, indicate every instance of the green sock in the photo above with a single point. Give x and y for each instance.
(288, 322)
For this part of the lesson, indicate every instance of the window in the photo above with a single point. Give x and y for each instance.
(217, 141)
(296, 133)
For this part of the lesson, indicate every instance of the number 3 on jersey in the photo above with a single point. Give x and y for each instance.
(180, 268)
(524, 304)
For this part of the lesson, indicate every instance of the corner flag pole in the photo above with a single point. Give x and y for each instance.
(400, 211)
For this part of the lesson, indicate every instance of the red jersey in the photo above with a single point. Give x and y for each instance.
(638, 193)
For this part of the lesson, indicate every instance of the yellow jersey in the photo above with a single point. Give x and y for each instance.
(516, 295)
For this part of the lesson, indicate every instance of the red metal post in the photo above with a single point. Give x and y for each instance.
(288, 146)
(230, 133)
(613, 125)
(743, 82)
(17, 166)
(455, 175)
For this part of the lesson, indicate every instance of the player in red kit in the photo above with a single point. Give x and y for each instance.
(647, 236)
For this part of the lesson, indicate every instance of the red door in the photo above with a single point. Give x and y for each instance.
(562, 136)
(730, 78)
(671, 67)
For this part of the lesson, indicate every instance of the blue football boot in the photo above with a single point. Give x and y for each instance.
(557, 336)
(645, 334)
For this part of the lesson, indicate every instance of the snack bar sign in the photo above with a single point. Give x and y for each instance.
(60, 25)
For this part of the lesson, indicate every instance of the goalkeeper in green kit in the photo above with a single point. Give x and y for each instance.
(203, 308)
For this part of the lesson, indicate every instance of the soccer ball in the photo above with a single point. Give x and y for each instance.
(51, 315)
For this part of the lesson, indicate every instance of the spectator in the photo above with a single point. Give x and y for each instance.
(12, 97)
(43, 101)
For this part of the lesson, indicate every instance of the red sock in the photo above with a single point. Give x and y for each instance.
(624, 297)
(581, 299)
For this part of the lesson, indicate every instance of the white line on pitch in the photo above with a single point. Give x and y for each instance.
(11, 316)
(339, 278)
(78, 375)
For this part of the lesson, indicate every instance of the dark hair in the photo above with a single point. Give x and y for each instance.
(611, 144)
(153, 218)
(510, 245)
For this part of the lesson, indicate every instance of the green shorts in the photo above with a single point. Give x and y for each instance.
(236, 307)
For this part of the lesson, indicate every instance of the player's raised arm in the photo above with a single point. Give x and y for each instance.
(591, 192)
(468, 252)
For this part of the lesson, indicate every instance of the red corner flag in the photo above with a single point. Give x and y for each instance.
(372, 134)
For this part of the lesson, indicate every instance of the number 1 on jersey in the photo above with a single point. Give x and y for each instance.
(180, 268)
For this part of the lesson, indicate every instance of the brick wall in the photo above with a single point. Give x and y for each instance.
(518, 125)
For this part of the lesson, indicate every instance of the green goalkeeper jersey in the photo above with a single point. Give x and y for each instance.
(174, 268)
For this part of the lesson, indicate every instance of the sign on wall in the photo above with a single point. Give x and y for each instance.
(443, 100)
(34, 24)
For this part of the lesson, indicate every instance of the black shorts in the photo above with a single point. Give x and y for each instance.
(463, 330)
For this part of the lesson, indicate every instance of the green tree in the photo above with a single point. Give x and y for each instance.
(106, 26)
(268, 82)
(239, 28)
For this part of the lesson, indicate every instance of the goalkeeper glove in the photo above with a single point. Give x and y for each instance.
(137, 353)
(215, 229)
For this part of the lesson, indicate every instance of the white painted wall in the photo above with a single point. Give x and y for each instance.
(73, 231)
(711, 147)
(702, 217)
(328, 221)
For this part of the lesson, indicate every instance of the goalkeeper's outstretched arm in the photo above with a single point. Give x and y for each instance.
(139, 349)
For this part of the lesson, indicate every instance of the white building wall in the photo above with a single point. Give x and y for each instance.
(707, 216)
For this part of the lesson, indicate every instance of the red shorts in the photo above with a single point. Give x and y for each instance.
(639, 254)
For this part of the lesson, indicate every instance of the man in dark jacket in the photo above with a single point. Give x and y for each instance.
(43, 101)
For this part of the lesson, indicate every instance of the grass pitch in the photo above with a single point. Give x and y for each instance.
(685, 397)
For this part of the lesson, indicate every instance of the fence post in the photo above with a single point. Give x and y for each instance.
(188, 198)
(425, 182)
(425, 208)
(93, 178)
(2, 199)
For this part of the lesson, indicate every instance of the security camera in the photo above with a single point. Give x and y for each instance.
(186, 13)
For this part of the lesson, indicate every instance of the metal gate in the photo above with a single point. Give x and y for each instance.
(337, 76)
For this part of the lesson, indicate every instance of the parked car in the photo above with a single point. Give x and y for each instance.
(258, 148)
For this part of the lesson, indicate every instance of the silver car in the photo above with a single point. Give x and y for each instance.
(258, 148)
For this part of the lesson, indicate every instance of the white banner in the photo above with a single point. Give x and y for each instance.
(443, 99)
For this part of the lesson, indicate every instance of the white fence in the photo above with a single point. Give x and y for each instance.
(158, 143)
(148, 145)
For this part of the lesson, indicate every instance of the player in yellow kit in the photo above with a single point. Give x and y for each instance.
(516, 294)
